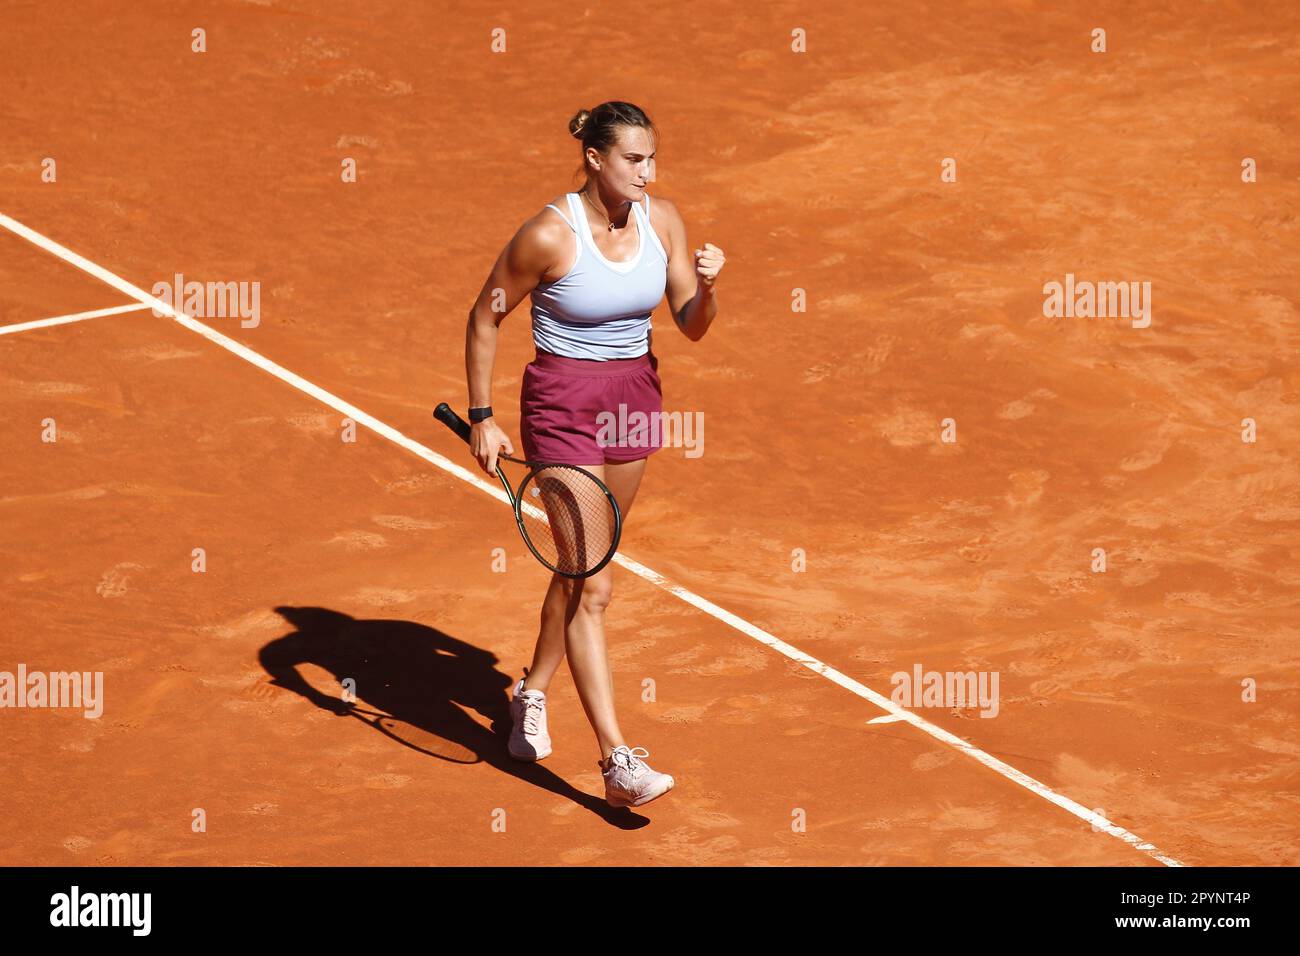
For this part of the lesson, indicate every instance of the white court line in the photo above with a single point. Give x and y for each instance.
(65, 319)
(1096, 820)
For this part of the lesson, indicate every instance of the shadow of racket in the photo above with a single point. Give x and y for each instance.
(417, 738)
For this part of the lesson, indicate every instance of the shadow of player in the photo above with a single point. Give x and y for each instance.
(417, 684)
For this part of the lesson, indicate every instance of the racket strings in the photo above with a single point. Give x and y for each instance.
(580, 523)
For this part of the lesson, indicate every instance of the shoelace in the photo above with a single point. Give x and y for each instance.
(631, 760)
(533, 708)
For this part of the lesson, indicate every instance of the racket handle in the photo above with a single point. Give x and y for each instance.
(453, 421)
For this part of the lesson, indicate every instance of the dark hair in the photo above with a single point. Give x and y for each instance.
(598, 128)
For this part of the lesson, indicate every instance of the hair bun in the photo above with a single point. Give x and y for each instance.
(578, 123)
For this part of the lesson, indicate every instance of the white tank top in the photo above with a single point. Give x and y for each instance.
(601, 309)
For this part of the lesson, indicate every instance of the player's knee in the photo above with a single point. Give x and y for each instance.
(597, 592)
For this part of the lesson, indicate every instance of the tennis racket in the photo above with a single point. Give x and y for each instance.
(568, 518)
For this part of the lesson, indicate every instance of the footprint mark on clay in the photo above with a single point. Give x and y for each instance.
(1046, 688)
(1026, 487)
(116, 580)
(258, 690)
(879, 353)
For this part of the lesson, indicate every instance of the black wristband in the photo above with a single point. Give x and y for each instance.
(477, 415)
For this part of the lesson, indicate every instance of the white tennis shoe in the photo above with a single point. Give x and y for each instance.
(529, 739)
(629, 781)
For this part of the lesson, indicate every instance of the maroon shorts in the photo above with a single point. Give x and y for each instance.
(587, 412)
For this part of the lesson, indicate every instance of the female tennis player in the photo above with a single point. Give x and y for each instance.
(596, 262)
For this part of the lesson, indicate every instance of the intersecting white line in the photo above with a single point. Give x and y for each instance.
(1092, 817)
(65, 319)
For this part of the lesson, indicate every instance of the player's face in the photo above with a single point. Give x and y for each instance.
(629, 167)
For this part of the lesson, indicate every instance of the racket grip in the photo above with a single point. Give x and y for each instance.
(453, 421)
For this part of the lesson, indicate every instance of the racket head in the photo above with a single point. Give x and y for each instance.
(568, 518)
(566, 515)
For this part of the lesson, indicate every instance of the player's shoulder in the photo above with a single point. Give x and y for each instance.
(664, 211)
(544, 235)
(548, 217)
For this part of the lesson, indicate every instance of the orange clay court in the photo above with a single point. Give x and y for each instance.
(1126, 734)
